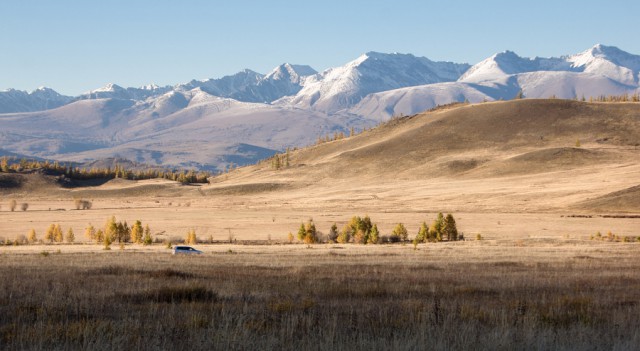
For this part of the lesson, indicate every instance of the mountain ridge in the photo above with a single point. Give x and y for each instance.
(290, 106)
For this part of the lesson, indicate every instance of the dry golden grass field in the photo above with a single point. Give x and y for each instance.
(535, 180)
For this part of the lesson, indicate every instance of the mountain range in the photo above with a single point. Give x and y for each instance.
(239, 119)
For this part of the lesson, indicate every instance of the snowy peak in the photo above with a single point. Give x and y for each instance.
(289, 72)
(338, 88)
(501, 65)
(225, 86)
(42, 98)
(47, 93)
(602, 60)
(608, 61)
(114, 91)
(110, 87)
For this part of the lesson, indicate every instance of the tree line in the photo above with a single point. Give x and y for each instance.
(361, 230)
(12, 164)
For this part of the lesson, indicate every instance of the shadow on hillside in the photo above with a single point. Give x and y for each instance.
(10, 181)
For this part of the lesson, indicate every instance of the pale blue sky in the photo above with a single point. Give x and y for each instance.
(76, 45)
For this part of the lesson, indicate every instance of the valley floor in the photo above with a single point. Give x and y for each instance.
(558, 294)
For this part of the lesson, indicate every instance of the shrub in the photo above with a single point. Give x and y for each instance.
(391, 239)
(107, 242)
(191, 237)
(12, 205)
(24, 206)
(478, 236)
(99, 236)
(83, 204)
(20, 239)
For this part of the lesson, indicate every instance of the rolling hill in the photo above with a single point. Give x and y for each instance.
(531, 155)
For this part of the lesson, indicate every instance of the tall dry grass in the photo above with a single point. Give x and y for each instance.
(461, 296)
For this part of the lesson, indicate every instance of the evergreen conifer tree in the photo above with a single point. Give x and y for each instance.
(57, 234)
(48, 235)
(450, 229)
(136, 232)
(400, 231)
(333, 233)
(70, 238)
(302, 232)
(31, 236)
(90, 232)
(345, 234)
(148, 240)
(423, 233)
(99, 238)
(374, 235)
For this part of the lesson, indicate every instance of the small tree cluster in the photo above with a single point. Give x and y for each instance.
(120, 232)
(117, 231)
(279, 161)
(614, 238)
(615, 98)
(442, 227)
(54, 234)
(328, 138)
(358, 230)
(307, 232)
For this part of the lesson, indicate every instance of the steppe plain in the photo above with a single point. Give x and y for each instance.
(536, 179)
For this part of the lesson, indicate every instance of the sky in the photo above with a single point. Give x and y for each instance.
(74, 46)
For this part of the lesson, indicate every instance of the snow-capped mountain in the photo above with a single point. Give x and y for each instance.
(114, 91)
(339, 88)
(610, 62)
(283, 80)
(602, 60)
(40, 99)
(600, 70)
(247, 116)
(187, 129)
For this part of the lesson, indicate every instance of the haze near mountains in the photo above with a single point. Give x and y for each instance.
(248, 116)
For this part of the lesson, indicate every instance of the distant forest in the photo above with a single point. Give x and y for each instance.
(12, 164)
